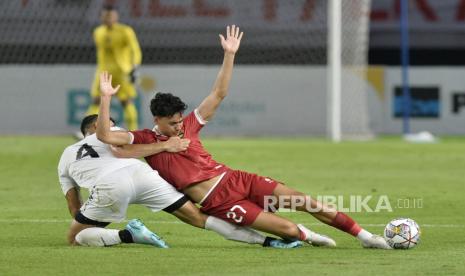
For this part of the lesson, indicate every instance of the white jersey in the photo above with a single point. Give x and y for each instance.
(85, 162)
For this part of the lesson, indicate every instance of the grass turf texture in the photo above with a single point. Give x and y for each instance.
(34, 216)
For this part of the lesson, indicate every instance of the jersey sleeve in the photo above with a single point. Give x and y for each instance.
(66, 181)
(117, 128)
(194, 122)
(142, 137)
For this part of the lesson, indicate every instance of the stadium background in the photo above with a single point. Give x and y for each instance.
(48, 58)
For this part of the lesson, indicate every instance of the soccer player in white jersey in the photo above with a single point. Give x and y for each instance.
(115, 183)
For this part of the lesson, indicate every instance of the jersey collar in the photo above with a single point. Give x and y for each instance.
(163, 137)
(158, 133)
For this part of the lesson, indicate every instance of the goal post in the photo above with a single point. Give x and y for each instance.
(347, 52)
(334, 70)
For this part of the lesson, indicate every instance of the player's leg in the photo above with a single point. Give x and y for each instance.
(190, 214)
(126, 96)
(248, 213)
(108, 202)
(155, 193)
(257, 189)
(317, 209)
(330, 216)
(231, 201)
(87, 232)
(186, 211)
(273, 224)
(74, 229)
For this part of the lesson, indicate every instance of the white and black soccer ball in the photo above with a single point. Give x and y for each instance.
(402, 233)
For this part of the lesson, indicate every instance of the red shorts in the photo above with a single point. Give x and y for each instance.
(239, 197)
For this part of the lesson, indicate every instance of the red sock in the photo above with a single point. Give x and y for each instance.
(345, 223)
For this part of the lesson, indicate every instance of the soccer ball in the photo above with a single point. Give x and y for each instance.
(402, 233)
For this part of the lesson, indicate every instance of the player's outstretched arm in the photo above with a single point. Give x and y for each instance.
(220, 89)
(104, 133)
(174, 144)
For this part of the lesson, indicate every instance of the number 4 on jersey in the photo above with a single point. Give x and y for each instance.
(89, 151)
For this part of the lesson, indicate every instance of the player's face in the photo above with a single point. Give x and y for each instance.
(170, 126)
(109, 17)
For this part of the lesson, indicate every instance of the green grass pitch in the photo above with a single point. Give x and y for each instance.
(34, 216)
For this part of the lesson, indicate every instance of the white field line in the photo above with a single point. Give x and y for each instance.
(179, 222)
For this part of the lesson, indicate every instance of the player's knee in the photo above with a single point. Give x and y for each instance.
(197, 219)
(191, 215)
(290, 230)
(200, 222)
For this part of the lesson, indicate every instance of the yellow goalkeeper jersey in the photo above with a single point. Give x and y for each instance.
(117, 48)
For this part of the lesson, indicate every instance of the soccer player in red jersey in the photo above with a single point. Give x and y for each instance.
(235, 196)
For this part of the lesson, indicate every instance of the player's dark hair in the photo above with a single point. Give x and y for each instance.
(166, 105)
(88, 121)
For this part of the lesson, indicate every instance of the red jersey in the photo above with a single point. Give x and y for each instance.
(183, 168)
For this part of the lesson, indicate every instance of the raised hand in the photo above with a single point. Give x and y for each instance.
(233, 39)
(105, 84)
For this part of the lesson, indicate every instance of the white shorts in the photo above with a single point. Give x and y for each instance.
(137, 184)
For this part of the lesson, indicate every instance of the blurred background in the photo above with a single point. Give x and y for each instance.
(280, 81)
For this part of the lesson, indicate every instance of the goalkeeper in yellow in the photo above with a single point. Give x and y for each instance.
(118, 52)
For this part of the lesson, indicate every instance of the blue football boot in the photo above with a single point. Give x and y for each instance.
(142, 235)
(284, 244)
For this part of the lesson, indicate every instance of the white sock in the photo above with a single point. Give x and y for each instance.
(233, 232)
(96, 236)
(364, 235)
(307, 232)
